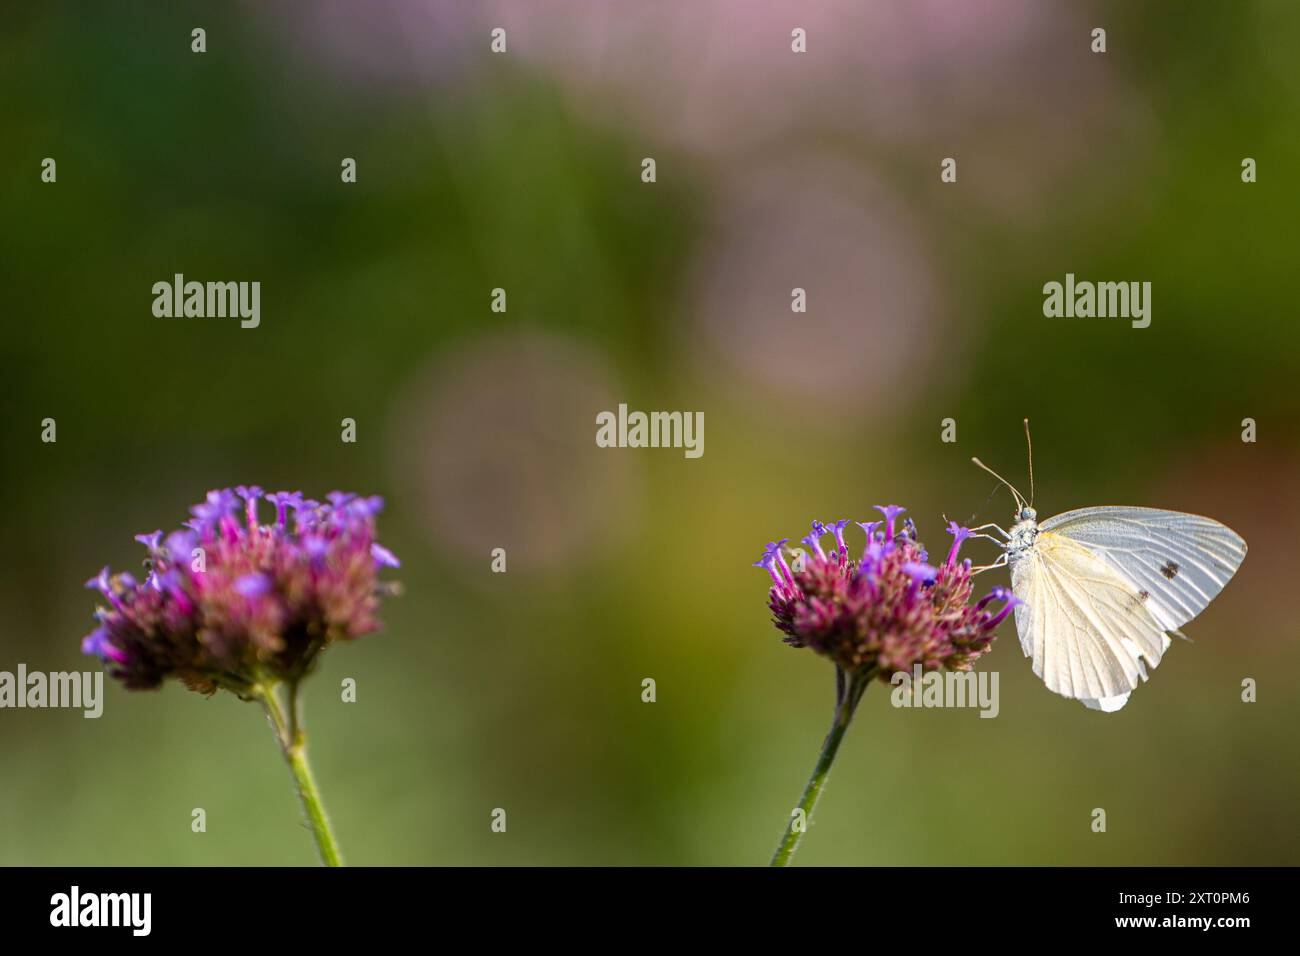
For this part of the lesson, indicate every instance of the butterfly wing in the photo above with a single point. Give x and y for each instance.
(1180, 561)
(1088, 630)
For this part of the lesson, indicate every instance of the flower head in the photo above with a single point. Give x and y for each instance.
(888, 610)
(229, 602)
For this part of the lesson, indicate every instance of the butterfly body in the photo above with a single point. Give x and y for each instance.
(1022, 536)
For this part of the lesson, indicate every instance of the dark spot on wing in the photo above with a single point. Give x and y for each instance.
(1170, 570)
(1135, 601)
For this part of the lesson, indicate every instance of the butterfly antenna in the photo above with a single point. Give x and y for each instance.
(987, 501)
(975, 515)
(1030, 442)
(1020, 499)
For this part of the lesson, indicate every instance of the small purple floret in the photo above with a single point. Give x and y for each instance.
(959, 534)
(920, 572)
(890, 512)
(838, 527)
(253, 585)
(813, 539)
(150, 541)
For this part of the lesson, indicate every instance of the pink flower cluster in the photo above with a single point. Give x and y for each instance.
(230, 602)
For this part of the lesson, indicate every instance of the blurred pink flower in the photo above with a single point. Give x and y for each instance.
(873, 327)
(1009, 87)
(720, 77)
(495, 444)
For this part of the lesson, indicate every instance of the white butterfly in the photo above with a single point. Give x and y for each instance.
(1102, 588)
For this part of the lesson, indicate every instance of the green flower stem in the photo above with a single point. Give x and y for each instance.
(286, 723)
(848, 694)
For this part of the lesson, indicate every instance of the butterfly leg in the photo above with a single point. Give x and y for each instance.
(995, 527)
(999, 563)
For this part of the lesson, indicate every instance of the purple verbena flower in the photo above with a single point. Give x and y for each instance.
(888, 610)
(231, 603)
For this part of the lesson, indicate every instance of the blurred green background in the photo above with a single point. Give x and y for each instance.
(522, 171)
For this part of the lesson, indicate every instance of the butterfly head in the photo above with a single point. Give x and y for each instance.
(1027, 514)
